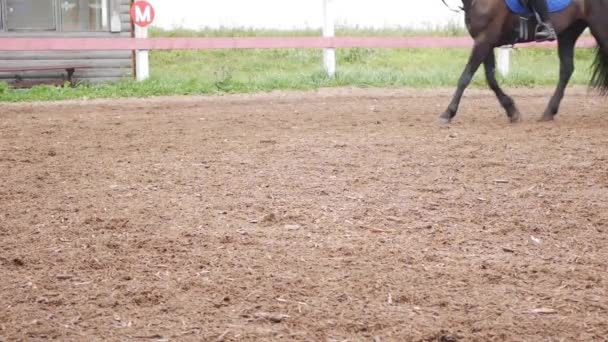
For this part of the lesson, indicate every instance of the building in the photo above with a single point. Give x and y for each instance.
(65, 18)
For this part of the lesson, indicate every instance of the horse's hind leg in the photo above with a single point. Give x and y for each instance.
(566, 41)
(507, 102)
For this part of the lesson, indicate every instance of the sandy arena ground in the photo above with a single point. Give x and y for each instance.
(348, 215)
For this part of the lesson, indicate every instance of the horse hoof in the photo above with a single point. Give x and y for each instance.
(446, 117)
(546, 118)
(515, 118)
(444, 121)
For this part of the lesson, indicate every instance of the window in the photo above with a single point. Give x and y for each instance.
(84, 15)
(58, 15)
(34, 15)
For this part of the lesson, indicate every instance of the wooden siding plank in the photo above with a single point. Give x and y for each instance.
(81, 73)
(98, 63)
(63, 55)
(56, 78)
(50, 34)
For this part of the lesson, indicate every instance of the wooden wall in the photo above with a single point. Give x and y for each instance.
(104, 66)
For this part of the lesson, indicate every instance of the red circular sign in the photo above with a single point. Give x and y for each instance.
(142, 13)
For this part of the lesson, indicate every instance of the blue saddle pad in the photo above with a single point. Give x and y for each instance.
(554, 6)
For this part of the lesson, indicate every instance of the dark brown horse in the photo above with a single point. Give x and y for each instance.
(492, 24)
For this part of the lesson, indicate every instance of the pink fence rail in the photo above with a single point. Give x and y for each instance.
(90, 44)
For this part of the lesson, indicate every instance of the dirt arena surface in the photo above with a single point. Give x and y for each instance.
(348, 215)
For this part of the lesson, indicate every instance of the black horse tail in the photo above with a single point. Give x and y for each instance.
(599, 78)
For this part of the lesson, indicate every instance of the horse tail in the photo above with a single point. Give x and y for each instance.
(599, 78)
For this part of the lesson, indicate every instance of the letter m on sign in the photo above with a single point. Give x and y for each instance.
(143, 17)
(142, 13)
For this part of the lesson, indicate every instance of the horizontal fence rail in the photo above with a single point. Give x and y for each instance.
(99, 44)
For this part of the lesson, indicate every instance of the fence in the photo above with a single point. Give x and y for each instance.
(328, 43)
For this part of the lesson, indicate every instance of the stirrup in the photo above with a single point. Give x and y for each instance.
(545, 32)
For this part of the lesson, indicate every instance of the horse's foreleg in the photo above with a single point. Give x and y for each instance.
(507, 102)
(478, 55)
(566, 42)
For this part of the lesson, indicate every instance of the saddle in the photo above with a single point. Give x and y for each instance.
(528, 23)
(523, 9)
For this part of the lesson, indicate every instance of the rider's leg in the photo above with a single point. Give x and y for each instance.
(545, 30)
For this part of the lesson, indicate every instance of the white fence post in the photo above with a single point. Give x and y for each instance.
(329, 54)
(504, 60)
(142, 62)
